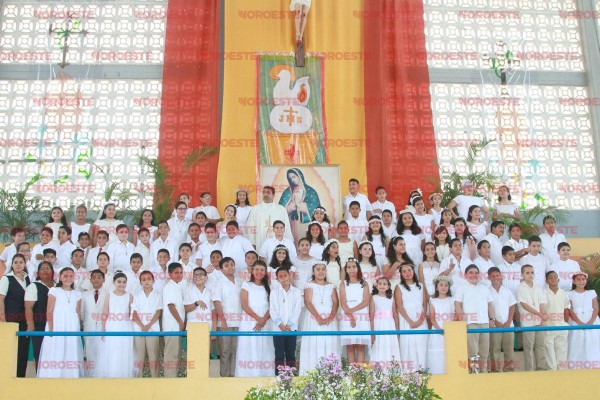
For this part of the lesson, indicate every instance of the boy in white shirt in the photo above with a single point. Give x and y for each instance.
(475, 305)
(564, 267)
(30, 265)
(81, 273)
(496, 241)
(91, 262)
(382, 204)
(206, 248)
(92, 307)
(557, 308)
(161, 271)
(266, 251)
(511, 271)
(504, 307)
(164, 241)
(354, 195)
(483, 260)
(195, 238)
(37, 254)
(356, 223)
(226, 298)
(18, 236)
(285, 304)
(147, 309)
(537, 260)
(121, 250)
(211, 212)
(197, 300)
(133, 275)
(520, 246)
(179, 224)
(551, 239)
(387, 224)
(185, 254)
(173, 319)
(143, 248)
(455, 265)
(234, 245)
(532, 312)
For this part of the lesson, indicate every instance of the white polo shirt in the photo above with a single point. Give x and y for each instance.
(365, 205)
(146, 306)
(228, 293)
(172, 294)
(474, 299)
(503, 300)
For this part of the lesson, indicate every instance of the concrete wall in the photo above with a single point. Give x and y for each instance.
(456, 384)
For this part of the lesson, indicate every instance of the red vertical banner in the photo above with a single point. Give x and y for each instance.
(401, 151)
(190, 95)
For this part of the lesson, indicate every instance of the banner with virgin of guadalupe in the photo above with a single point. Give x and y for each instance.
(290, 118)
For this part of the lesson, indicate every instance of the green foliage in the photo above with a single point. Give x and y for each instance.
(529, 226)
(478, 172)
(332, 381)
(590, 264)
(164, 185)
(17, 209)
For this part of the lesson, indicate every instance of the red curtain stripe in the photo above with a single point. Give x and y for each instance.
(190, 95)
(401, 152)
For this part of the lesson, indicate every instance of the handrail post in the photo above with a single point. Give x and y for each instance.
(198, 350)
(455, 348)
(8, 333)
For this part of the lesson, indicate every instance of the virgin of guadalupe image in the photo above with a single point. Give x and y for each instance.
(299, 200)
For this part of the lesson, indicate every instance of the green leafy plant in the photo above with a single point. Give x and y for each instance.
(590, 264)
(165, 185)
(480, 173)
(18, 209)
(332, 380)
(528, 224)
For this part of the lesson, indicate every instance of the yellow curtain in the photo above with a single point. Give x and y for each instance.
(268, 25)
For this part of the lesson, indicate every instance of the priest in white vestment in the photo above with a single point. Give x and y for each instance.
(260, 221)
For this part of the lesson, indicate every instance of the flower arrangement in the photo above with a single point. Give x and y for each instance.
(332, 380)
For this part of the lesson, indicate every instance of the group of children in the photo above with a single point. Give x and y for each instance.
(414, 275)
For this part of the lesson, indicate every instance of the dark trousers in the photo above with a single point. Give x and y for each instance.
(285, 352)
(22, 351)
(37, 343)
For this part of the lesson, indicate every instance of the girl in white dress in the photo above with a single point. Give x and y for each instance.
(412, 234)
(108, 222)
(436, 207)
(429, 269)
(146, 221)
(331, 257)
(584, 345)
(378, 239)
(321, 301)
(62, 356)
(505, 208)
(347, 247)
(230, 214)
(396, 256)
(384, 317)
(57, 219)
(410, 302)
(280, 259)
(354, 300)
(368, 266)
(423, 219)
(442, 248)
(441, 309)
(320, 215)
(255, 354)
(315, 236)
(243, 210)
(303, 264)
(116, 355)
(446, 221)
(80, 225)
(477, 228)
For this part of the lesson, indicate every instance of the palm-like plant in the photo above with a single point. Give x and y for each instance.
(19, 210)
(164, 186)
(484, 179)
(590, 264)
